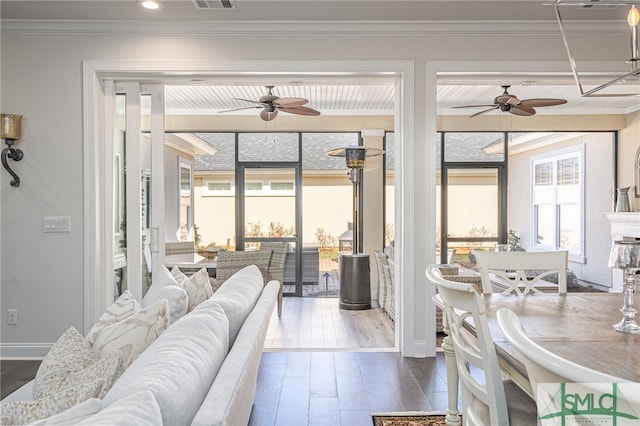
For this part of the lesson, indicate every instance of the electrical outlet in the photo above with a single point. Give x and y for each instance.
(12, 316)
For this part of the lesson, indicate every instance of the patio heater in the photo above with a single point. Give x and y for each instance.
(355, 281)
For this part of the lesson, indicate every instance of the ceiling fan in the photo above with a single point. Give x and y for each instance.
(510, 103)
(271, 104)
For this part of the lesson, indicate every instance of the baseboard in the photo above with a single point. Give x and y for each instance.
(10, 351)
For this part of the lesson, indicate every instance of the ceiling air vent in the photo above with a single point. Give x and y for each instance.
(214, 4)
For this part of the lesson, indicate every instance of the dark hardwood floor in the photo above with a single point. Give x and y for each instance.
(344, 388)
(14, 374)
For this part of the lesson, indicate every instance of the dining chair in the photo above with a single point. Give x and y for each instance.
(230, 262)
(520, 271)
(481, 381)
(544, 366)
(275, 270)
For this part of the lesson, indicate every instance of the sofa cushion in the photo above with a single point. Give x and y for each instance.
(135, 333)
(70, 353)
(62, 392)
(237, 296)
(125, 306)
(140, 409)
(179, 367)
(198, 286)
(165, 286)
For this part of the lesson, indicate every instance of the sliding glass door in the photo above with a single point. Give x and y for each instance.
(138, 179)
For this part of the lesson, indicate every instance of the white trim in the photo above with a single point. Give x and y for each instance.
(24, 351)
(400, 71)
(311, 28)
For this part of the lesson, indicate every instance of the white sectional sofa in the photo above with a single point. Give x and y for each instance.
(201, 370)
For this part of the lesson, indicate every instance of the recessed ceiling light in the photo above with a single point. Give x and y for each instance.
(151, 4)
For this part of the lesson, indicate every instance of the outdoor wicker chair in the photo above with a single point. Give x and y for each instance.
(275, 271)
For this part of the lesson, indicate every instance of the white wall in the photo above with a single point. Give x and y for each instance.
(599, 181)
(43, 275)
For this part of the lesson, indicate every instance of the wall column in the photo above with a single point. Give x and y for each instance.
(373, 203)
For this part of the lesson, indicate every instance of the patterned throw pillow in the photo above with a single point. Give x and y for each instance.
(198, 286)
(104, 372)
(134, 334)
(58, 393)
(125, 306)
(69, 354)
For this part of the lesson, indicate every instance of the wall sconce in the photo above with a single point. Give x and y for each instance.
(11, 129)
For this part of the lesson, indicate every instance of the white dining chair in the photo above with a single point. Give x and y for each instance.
(482, 384)
(520, 271)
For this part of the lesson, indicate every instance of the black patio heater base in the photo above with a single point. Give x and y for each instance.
(355, 282)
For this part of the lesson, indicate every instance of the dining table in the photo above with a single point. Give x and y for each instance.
(575, 326)
(191, 261)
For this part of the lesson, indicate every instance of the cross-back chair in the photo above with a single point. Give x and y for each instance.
(520, 271)
(482, 384)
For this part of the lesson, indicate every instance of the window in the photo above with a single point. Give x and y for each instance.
(282, 186)
(253, 186)
(219, 186)
(557, 201)
(185, 204)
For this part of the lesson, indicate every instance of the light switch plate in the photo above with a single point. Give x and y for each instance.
(56, 224)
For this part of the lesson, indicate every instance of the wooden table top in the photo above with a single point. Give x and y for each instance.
(577, 326)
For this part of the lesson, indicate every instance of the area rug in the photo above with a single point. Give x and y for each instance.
(408, 419)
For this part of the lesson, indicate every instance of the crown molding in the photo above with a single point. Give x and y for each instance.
(310, 28)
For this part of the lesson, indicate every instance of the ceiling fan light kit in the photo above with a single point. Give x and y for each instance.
(511, 104)
(271, 104)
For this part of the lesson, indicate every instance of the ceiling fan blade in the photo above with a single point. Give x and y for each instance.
(541, 102)
(522, 110)
(300, 110)
(476, 106)
(290, 102)
(483, 111)
(268, 116)
(248, 100)
(239, 109)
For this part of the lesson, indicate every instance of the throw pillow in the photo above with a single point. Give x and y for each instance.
(70, 353)
(23, 412)
(73, 415)
(135, 333)
(61, 392)
(103, 372)
(122, 308)
(198, 286)
(164, 286)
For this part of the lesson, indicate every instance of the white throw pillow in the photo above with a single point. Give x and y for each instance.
(198, 286)
(125, 306)
(135, 333)
(70, 353)
(59, 393)
(164, 286)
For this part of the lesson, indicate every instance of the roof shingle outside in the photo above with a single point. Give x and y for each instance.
(461, 147)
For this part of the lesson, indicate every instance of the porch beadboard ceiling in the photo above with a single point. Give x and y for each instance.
(377, 99)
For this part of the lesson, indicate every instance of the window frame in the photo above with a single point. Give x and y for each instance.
(554, 157)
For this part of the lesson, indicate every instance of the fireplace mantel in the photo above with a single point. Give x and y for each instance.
(623, 224)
